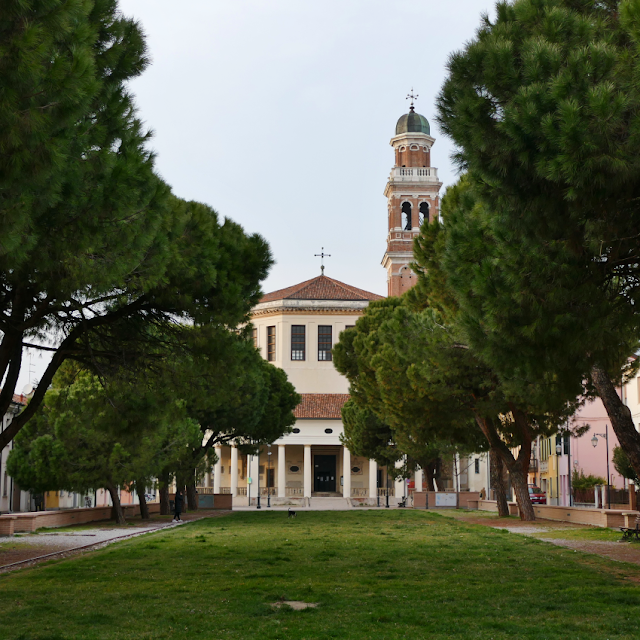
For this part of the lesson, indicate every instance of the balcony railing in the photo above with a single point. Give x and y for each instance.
(414, 174)
(294, 491)
(359, 493)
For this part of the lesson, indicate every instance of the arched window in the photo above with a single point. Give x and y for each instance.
(406, 212)
(424, 212)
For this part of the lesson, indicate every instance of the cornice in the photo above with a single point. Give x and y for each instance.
(263, 313)
(412, 136)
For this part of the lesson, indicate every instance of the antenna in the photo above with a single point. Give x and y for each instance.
(322, 256)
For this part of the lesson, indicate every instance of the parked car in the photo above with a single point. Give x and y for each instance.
(536, 495)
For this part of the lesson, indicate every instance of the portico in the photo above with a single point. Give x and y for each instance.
(296, 472)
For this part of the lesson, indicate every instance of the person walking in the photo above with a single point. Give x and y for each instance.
(178, 501)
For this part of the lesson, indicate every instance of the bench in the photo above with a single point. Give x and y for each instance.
(627, 531)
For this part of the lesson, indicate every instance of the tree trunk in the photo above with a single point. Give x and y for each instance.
(619, 414)
(118, 513)
(496, 469)
(192, 495)
(163, 488)
(515, 467)
(521, 488)
(144, 507)
(429, 473)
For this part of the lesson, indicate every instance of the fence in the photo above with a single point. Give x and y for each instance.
(587, 496)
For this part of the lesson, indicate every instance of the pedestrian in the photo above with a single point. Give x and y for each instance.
(178, 501)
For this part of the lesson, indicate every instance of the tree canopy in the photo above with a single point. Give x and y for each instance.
(543, 107)
(89, 435)
(95, 248)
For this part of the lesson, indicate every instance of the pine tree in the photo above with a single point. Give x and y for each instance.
(93, 435)
(94, 246)
(543, 108)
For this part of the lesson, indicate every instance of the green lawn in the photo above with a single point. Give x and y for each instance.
(375, 574)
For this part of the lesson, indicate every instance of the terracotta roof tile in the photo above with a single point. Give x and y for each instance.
(321, 288)
(327, 406)
(20, 399)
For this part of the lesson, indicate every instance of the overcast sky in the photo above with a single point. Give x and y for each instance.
(278, 113)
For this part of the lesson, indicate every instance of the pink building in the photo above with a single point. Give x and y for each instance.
(593, 460)
(578, 454)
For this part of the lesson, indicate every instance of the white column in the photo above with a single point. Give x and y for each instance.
(373, 479)
(307, 471)
(217, 471)
(596, 493)
(234, 471)
(282, 471)
(419, 480)
(254, 473)
(346, 473)
(399, 483)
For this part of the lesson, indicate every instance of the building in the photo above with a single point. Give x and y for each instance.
(295, 329)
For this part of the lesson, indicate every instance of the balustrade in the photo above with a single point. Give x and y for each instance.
(414, 174)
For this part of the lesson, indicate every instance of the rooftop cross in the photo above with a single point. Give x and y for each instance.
(322, 256)
(412, 98)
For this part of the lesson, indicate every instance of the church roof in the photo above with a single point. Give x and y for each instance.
(320, 288)
(412, 122)
(327, 406)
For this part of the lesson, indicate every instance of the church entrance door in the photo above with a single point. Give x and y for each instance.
(324, 473)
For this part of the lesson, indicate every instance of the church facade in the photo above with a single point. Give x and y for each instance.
(295, 329)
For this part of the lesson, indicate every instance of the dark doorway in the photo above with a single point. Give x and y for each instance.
(271, 476)
(324, 468)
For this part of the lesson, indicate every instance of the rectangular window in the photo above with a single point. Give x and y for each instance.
(255, 337)
(271, 344)
(297, 342)
(324, 342)
(477, 465)
(565, 448)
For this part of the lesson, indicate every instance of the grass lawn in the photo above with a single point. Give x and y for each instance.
(375, 574)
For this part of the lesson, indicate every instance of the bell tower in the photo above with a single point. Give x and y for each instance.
(412, 194)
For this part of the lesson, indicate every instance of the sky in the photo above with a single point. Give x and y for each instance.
(278, 113)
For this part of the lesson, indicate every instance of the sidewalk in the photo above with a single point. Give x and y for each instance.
(31, 546)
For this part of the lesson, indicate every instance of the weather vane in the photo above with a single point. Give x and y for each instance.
(412, 98)
(322, 256)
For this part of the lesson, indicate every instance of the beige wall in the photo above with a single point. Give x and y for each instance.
(309, 375)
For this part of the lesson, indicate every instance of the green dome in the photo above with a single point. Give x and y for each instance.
(413, 122)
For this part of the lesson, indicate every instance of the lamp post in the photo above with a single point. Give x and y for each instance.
(558, 451)
(268, 476)
(258, 456)
(594, 442)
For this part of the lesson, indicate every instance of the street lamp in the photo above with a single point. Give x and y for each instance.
(268, 475)
(594, 442)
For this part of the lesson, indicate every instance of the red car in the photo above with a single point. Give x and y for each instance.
(536, 495)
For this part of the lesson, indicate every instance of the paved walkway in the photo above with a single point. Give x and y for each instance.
(31, 546)
(620, 550)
